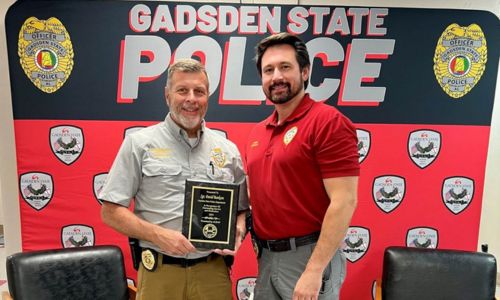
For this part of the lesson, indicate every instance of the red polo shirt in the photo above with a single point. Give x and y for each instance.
(287, 162)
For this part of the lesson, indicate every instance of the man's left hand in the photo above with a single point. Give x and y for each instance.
(308, 286)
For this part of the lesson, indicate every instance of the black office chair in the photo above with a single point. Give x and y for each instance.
(96, 272)
(434, 274)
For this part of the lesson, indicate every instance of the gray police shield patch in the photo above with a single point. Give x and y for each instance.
(457, 193)
(356, 243)
(245, 287)
(364, 142)
(37, 189)
(422, 237)
(424, 146)
(388, 192)
(77, 235)
(66, 142)
(98, 184)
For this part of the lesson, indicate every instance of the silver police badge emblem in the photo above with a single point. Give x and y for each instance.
(388, 192)
(98, 184)
(67, 143)
(245, 287)
(77, 235)
(45, 53)
(457, 193)
(460, 59)
(422, 237)
(364, 142)
(37, 189)
(424, 146)
(356, 243)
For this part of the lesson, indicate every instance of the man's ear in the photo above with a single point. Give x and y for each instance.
(305, 73)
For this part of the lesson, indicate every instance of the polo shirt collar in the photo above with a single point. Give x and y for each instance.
(303, 107)
(177, 131)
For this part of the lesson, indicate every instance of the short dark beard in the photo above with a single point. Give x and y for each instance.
(284, 98)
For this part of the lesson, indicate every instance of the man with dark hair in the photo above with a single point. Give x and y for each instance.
(303, 169)
(151, 168)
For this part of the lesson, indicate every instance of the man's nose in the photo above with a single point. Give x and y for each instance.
(191, 96)
(277, 75)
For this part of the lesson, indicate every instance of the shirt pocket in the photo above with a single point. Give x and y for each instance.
(161, 180)
(220, 174)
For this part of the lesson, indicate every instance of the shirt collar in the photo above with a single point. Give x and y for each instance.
(177, 131)
(305, 104)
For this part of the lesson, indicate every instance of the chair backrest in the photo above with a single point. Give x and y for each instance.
(411, 273)
(96, 272)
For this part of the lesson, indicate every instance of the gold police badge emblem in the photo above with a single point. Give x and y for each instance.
(460, 59)
(148, 259)
(289, 135)
(218, 157)
(46, 53)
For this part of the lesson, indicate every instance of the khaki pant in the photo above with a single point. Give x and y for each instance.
(205, 280)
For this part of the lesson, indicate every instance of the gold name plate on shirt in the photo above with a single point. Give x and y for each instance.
(210, 209)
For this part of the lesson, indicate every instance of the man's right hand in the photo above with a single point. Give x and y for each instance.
(172, 242)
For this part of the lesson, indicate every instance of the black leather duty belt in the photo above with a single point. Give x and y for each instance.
(291, 243)
(185, 262)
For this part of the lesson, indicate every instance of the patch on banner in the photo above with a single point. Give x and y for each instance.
(289, 135)
(364, 142)
(77, 236)
(217, 157)
(457, 193)
(245, 287)
(46, 53)
(356, 243)
(37, 189)
(422, 237)
(66, 142)
(388, 192)
(424, 147)
(460, 59)
(98, 184)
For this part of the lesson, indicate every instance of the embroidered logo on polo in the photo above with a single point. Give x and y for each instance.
(98, 184)
(424, 146)
(77, 235)
(364, 142)
(46, 53)
(289, 135)
(132, 130)
(37, 189)
(218, 157)
(460, 59)
(356, 243)
(457, 193)
(66, 142)
(245, 287)
(422, 237)
(388, 192)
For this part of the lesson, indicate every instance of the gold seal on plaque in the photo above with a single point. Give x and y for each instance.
(45, 53)
(460, 59)
(148, 259)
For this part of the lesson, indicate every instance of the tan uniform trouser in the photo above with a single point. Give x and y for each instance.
(205, 280)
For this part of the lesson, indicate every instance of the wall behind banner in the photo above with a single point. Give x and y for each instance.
(9, 181)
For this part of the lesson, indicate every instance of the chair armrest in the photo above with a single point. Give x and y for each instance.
(132, 291)
(6, 296)
(378, 290)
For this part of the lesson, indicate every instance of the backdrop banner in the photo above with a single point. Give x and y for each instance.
(419, 84)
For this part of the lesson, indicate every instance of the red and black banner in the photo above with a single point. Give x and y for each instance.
(418, 83)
